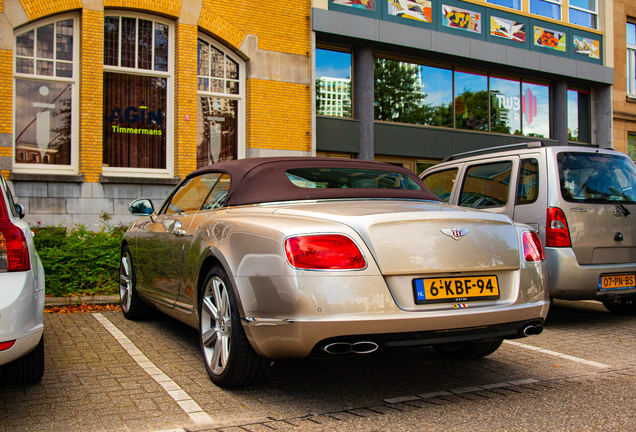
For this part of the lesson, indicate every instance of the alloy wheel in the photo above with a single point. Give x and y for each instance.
(216, 325)
(125, 281)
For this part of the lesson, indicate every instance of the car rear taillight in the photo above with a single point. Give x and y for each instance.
(324, 252)
(532, 247)
(557, 233)
(14, 252)
(6, 345)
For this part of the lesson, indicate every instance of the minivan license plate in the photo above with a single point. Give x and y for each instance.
(616, 282)
(455, 289)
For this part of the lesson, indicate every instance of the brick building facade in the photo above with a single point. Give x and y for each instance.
(624, 91)
(225, 82)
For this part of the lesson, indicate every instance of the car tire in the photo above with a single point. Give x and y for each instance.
(131, 305)
(228, 356)
(627, 306)
(27, 369)
(467, 351)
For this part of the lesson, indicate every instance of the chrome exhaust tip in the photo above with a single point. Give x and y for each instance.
(364, 347)
(343, 348)
(338, 348)
(529, 330)
(538, 330)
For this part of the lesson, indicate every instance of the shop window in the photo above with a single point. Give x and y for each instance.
(579, 128)
(220, 104)
(45, 97)
(471, 101)
(138, 81)
(412, 93)
(333, 81)
(584, 13)
(423, 165)
(631, 146)
(546, 8)
(513, 4)
(631, 58)
(505, 106)
(535, 108)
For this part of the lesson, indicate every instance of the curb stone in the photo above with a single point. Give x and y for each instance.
(89, 300)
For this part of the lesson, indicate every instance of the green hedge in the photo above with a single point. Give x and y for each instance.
(78, 261)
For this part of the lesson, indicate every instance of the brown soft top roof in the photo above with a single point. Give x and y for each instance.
(260, 180)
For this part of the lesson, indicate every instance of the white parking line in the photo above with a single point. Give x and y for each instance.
(187, 404)
(557, 354)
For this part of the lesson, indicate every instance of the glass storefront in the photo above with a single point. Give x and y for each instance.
(333, 83)
(135, 116)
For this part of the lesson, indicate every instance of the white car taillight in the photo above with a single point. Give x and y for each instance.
(14, 251)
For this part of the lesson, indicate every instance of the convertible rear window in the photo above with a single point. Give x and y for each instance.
(339, 178)
(596, 178)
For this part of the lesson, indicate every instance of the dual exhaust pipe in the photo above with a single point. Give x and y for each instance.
(343, 348)
(367, 347)
(531, 330)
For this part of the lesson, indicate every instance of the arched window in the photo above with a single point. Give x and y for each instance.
(138, 93)
(45, 96)
(220, 106)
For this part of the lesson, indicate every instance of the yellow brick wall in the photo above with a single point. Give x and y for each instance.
(36, 9)
(6, 91)
(221, 29)
(278, 26)
(6, 101)
(169, 8)
(91, 94)
(185, 100)
(278, 115)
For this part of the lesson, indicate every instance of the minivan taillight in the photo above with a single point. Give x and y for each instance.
(557, 233)
(532, 247)
(14, 252)
(324, 252)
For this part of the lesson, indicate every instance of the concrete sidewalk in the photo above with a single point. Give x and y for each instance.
(89, 300)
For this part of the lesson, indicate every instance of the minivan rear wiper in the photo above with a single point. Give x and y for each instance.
(620, 204)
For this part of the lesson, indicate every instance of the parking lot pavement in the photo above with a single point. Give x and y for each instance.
(104, 372)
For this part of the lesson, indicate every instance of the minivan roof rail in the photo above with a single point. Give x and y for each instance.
(529, 145)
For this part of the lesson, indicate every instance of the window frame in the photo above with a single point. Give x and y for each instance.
(554, 2)
(169, 75)
(631, 64)
(591, 12)
(73, 168)
(240, 97)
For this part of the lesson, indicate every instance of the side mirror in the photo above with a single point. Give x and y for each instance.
(142, 207)
(20, 210)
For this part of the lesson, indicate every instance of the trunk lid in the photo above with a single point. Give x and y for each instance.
(417, 238)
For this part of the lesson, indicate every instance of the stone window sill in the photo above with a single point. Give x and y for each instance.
(631, 98)
(62, 178)
(139, 180)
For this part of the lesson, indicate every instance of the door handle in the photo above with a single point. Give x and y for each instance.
(179, 232)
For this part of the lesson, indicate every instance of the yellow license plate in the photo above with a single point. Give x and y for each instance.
(616, 282)
(455, 289)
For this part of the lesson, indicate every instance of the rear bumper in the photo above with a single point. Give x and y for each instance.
(572, 281)
(21, 312)
(297, 339)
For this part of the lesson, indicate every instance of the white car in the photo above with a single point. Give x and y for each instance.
(21, 298)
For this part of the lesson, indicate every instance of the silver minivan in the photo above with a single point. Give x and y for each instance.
(579, 199)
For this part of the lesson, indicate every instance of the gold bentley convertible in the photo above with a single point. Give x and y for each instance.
(278, 258)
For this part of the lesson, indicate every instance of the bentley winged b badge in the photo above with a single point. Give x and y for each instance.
(455, 233)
